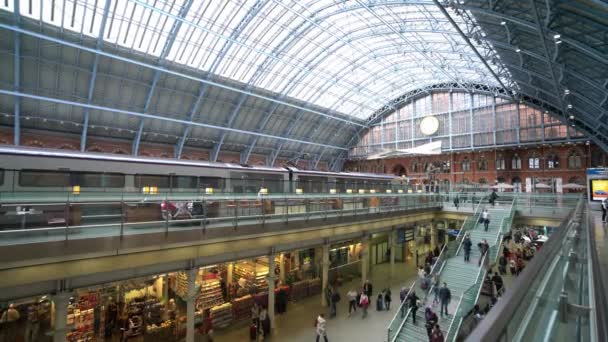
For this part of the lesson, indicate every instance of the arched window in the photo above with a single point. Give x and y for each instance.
(482, 164)
(516, 162)
(483, 181)
(574, 160)
(500, 162)
(534, 161)
(399, 170)
(552, 161)
(466, 164)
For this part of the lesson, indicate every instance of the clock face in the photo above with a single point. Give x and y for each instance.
(429, 125)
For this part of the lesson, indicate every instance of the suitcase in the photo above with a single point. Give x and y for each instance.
(253, 332)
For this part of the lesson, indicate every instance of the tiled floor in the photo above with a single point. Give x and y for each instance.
(297, 324)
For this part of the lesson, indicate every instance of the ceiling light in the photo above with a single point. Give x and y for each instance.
(571, 117)
(518, 50)
(557, 36)
(503, 23)
(569, 106)
(558, 42)
(567, 91)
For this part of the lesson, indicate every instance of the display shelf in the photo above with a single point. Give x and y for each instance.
(210, 295)
(221, 315)
(241, 307)
(254, 275)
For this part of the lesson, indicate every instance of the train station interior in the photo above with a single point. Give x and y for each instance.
(303, 170)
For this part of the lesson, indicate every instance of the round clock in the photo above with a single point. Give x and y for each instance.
(429, 125)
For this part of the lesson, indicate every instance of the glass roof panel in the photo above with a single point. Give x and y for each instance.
(351, 56)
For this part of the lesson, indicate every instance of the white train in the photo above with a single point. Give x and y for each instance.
(26, 169)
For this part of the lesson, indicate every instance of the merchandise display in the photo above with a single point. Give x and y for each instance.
(81, 317)
(251, 275)
(221, 315)
(210, 294)
(241, 308)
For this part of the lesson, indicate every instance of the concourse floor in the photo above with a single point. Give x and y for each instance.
(296, 325)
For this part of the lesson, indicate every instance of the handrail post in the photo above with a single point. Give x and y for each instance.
(122, 214)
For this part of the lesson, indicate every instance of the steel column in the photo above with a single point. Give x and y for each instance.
(160, 62)
(17, 78)
(98, 46)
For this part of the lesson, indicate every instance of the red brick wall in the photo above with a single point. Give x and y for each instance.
(491, 175)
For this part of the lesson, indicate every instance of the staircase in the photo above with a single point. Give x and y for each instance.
(464, 279)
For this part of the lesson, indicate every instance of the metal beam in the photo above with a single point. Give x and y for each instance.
(17, 78)
(431, 60)
(98, 45)
(160, 118)
(161, 59)
(541, 32)
(251, 14)
(175, 73)
(468, 41)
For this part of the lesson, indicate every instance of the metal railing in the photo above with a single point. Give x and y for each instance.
(471, 295)
(448, 250)
(44, 219)
(534, 307)
(396, 325)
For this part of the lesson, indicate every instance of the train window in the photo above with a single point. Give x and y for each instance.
(151, 180)
(183, 182)
(44, 178)
(97, 180)
(211, 182)
(114, 180)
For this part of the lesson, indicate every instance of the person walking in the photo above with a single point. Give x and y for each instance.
(485, 216)
(483, 249)
(321, 327)
(604, 209)
(445, 296)
(367, 288)
(502, 265)
(328, 295)
(436, 286)
(8, 322)
(413, 303)
(497, 280)
(387, 299)
(456, 201)
(431, 320)
(466, 246)
(364, 303)
(436, 334)
(352, 301)
(493, 197)
(265, 322)
(402, 297)
(255, 315)
(335, 298)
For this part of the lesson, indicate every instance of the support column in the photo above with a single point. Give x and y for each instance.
(282, 268)
(270, 279)
(325, 274)
(60, 302)
(229, 272)
(191, 304)
(433, 235)
(364, 259)
(393, 246)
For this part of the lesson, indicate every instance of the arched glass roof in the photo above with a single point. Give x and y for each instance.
(351, 57)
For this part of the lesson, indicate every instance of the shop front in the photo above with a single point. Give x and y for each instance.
(154, 308)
